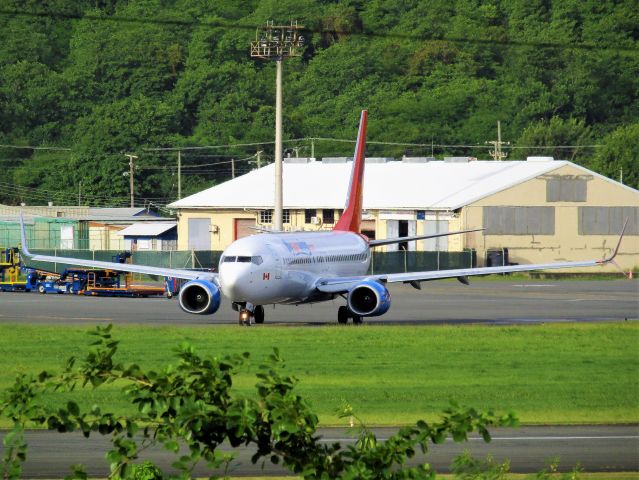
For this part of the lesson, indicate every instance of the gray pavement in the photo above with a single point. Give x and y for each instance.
(484, 301)
(529, 449)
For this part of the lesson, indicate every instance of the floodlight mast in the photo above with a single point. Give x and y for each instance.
(276, 42)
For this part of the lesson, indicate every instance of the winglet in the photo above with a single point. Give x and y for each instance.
(24, 250)
(616, 250)
(351, 218)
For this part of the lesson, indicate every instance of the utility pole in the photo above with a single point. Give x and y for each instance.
(80, 193)
(259, 159)
(179, 174)
(232, 168)
(497, 154)
(131, 159)
(276, 42)
(312, 148)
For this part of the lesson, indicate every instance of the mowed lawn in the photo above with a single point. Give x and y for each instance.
(556, 373)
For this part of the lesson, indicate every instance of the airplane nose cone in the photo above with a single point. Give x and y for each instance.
(234, 282)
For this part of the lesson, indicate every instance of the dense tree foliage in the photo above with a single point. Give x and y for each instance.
(107, 77)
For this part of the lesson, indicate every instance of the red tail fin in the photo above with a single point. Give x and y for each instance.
(351, 218)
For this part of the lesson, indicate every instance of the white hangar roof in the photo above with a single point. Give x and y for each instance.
(436, 185)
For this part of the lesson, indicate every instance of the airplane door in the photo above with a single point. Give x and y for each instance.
(277, 263)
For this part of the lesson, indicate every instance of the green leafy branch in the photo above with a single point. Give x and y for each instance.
(191, 409)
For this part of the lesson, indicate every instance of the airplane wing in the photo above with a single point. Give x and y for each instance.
(388, 241)
(344, 284)
(122, 267)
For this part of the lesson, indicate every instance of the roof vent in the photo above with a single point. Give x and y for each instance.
(298, 159)
(459, 159)
(406, 159)
(540, 159)
(379, 159)
(337, 159)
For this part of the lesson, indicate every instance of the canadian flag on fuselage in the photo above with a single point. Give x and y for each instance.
(351, 219)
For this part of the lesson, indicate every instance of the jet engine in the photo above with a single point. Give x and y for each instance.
(201, 297)
(369, 299)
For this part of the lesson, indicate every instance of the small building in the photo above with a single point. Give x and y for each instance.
(71, 227)
(150, 236)
(539, 210)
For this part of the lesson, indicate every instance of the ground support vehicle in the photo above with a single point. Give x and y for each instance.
(13, 278)
(49, 282)
(105, 283)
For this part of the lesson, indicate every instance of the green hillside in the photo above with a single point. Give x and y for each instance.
(108, 77)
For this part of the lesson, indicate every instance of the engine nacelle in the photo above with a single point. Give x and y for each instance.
(200, 297)
(369, 299)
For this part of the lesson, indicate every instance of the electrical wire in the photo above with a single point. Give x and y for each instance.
(322, 31)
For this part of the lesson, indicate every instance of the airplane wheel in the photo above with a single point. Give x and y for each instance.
(258, 314)
(357, 319)
(342, 314)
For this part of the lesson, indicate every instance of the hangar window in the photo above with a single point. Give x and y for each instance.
(519, 220)
(286, 216)
(309, 214)
(608, 220)
(567, 188)
(266, 216)
(328, 215)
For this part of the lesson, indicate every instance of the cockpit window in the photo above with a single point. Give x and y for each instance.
(229, 259)
(244, 259)
(256, 259)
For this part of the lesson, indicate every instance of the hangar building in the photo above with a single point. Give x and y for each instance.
(534, 211)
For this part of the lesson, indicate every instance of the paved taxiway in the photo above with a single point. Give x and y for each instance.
(484, 301)
(601, 448)
(529, 449)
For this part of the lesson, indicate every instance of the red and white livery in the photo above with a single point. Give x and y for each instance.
(304, 267)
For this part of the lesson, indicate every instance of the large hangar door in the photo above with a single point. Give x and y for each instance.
(439, 244)
(66, 237)
(392, 231)
(199, 234)
(243, 227)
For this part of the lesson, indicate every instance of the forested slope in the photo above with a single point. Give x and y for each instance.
(103, 78)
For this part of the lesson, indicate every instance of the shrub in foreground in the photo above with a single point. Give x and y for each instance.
(192, 407)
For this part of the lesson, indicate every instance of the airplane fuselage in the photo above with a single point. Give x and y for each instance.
(284, 267)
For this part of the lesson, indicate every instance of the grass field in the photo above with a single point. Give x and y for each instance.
(557, 373)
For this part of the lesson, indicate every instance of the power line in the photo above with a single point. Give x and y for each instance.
(368, 142)
(294, 140)
(322, 31)
(31, 147)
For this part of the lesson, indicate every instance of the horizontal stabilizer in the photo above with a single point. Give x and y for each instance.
(388, 241)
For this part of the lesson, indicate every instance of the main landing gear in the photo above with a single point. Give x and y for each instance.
(249, 313)
(343, 314)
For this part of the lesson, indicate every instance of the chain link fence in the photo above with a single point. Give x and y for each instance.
(382, 262)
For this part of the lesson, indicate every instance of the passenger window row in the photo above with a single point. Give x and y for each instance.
(357, 257)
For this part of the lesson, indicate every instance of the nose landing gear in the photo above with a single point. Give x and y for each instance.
(249, 313)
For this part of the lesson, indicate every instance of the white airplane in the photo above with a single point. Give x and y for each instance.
(305, 267)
